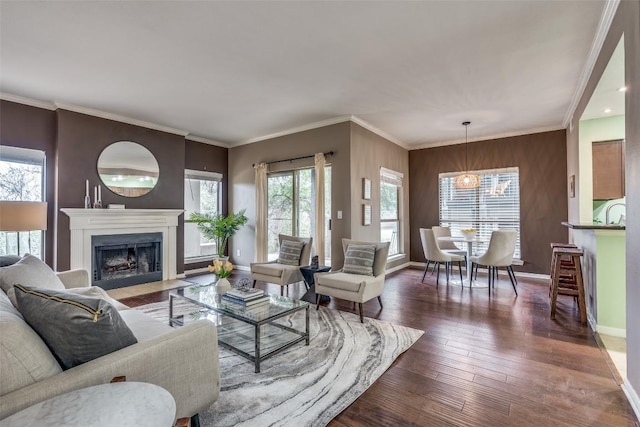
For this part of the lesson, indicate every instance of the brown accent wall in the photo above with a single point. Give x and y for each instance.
(242, 178)
(205, 157)
(369, 152)
(542, 161)
(81, 139)
(30, 127)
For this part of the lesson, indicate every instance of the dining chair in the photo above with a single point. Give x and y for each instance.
(433, 253)
(444, 245)
(499, 254)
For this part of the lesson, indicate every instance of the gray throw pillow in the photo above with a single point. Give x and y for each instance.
(29, 271)
(76, 328)
(290, 252)
(359, 259)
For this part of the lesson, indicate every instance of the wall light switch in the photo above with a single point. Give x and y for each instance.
(339, 214)
(237, 252)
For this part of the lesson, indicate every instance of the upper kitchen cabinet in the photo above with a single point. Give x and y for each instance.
(608, 170)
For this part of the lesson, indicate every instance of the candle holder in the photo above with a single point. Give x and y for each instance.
(87, 202)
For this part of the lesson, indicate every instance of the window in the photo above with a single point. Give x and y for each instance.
(202, 193)
(494, 205)
(390, 209)
(21, 178)
(291, 207)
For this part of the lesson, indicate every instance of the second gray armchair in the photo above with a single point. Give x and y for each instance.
(358, 281)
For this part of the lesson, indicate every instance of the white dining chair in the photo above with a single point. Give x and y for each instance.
(499, 254)
(447, 246)
(433, 253)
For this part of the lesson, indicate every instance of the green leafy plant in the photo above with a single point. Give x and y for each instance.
(219, 227)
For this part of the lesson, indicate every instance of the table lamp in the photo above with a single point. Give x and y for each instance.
(22, 216)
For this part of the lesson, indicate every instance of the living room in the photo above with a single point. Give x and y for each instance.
(73, 137)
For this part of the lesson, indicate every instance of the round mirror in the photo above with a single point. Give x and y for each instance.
(128, 169)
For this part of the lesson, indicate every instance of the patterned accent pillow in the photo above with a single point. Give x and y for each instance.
(359, 259)
(76, 328)
(290, 252)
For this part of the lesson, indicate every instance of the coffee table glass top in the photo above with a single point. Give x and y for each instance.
(277, 307)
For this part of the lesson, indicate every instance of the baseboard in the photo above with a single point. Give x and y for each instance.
(181, 276)
(398, 267)
(614, 332)
(537, 276)
(196, 271)
(632, 397)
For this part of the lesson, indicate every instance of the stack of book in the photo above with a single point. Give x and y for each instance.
(246, 297)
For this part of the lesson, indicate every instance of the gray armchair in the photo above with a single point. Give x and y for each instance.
(282, 274)
(358, 288)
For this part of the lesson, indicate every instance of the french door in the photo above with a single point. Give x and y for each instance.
(291, 207)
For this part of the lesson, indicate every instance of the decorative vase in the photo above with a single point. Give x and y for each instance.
(222, 285)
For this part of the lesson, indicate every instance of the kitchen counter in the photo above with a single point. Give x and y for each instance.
(603, 270)
(593, 226)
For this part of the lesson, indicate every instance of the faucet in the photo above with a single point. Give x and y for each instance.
(606, 220)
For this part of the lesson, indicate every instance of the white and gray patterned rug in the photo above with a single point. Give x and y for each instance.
(305, 385)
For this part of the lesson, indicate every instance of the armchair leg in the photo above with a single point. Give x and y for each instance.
(380, 301)
(361, 314)
(195, 421)
(281, 291)
(254, 283)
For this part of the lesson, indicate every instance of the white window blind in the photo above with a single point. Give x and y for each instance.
(492, 206)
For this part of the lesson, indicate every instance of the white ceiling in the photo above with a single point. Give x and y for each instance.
(606, 95)
(235, 72)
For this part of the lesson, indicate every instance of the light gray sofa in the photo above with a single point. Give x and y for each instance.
(184, 361)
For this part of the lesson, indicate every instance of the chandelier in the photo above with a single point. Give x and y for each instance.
(466, 181)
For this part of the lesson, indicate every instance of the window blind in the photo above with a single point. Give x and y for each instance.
(492, 206)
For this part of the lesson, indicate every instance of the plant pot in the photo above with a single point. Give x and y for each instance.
(222, 285)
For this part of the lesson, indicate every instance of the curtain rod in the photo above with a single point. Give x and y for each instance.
(329, 153)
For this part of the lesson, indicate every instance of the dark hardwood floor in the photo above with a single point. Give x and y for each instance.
(483, 360)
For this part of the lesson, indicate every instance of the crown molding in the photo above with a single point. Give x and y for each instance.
(323, 123)
(488, 137)
(206, 141)
(357, 120)
(290, 131)
(606, 18)
(27, 101)
(118, 118)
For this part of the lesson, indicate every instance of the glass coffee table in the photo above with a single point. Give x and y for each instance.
(252, 332)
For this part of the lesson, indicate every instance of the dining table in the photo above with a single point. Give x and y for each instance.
(469, 243)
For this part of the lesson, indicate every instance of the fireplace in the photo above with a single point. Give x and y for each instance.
(120, 260)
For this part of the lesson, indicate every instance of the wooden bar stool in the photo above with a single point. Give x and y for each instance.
(564, 261)
(566, 278)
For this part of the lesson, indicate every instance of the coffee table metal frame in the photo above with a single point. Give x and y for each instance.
(212, 303)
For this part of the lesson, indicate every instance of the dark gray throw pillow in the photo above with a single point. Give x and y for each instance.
(76, 328)
(358, 259)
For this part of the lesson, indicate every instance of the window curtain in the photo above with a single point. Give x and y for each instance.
(320, 163)
(261, 211)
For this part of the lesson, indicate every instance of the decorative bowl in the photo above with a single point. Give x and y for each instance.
(469, 233)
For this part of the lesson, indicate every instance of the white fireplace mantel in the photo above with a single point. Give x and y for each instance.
(85, 223)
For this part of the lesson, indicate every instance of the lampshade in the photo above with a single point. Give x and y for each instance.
(23, 216)
(466, 181)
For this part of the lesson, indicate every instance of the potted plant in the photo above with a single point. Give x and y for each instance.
(219, 227)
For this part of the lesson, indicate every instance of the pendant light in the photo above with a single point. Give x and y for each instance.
(466, 181)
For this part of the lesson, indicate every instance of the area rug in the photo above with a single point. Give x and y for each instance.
(304, 385)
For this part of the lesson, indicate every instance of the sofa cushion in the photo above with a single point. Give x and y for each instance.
(6, 260)
(76, 328)
(29, 271)
(345, 281)
(290, 252)
(24, 357)
(358, 259)
(143, 326)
